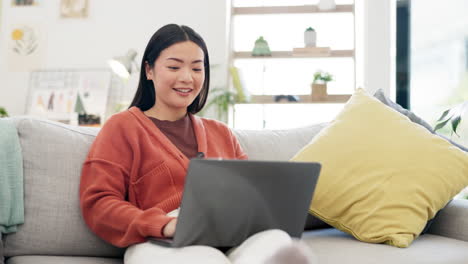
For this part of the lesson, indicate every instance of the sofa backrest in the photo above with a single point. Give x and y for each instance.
(276, 144)
(53, 154)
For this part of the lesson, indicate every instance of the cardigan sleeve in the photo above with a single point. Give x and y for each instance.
(104, 190)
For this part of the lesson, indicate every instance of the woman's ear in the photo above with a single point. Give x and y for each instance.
(149, 71)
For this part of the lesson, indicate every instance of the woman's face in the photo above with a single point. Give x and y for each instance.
(178, 76)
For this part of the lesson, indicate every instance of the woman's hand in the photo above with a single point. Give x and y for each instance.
(169, 228)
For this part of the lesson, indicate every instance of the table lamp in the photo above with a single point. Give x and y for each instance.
(122, 65)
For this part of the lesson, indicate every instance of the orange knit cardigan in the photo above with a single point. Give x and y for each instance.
(133, 175)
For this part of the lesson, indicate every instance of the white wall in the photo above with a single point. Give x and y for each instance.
(379, 46)
(111, 28)
(114, 26)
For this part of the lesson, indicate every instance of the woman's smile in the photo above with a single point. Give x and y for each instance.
(183, 91)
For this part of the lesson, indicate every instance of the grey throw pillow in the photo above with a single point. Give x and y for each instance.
(413, 117)
(454, 143)
(379, 94)
(313, 222)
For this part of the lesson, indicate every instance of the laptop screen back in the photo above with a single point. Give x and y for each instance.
(226, 201)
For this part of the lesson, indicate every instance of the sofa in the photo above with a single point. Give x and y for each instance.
(54, 231)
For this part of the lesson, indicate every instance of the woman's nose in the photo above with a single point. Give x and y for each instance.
(185, 75)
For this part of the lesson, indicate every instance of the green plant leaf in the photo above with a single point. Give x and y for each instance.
(3, 112)
(322, 76)
(317, 76)
(455, 123)
(444, 114)
(441, 125)
(221, 99)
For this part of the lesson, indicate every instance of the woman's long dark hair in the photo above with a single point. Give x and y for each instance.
(145, 96)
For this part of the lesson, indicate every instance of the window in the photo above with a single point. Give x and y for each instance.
(438, 60)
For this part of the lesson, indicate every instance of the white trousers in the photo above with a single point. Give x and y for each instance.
(256, 249)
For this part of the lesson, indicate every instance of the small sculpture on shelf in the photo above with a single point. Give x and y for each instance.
(310, 49)
(319, 85)
(310, 37)
(286, 98)
(326, 5)
(261, 48)
(89, 120)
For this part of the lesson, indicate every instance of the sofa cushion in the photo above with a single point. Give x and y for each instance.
(383, 177)
(62, 260)
(452, 220)
(332, 246)
(276, 144)
(52, 159)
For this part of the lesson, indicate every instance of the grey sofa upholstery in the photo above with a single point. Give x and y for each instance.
(54, 231)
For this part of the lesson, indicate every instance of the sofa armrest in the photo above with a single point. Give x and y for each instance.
(1, 249)
(452, 221)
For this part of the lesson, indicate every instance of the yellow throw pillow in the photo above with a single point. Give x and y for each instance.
(383, 177)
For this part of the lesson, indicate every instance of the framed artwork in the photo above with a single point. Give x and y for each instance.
(73, 8)
(26, 2)
(61, 95)
(25, 47)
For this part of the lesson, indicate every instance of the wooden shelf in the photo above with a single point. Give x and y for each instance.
(305, 9)
(303, 99)
(290, 54)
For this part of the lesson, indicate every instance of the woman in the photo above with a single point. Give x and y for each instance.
(132, 180)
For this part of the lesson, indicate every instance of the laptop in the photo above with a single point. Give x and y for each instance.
(226, 201)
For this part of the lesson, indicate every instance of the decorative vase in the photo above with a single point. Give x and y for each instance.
(310, 37)
(261, 48)
(319, 91)
(326, 5)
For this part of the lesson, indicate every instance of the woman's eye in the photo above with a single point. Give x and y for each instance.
(173, 68)
(197, 69)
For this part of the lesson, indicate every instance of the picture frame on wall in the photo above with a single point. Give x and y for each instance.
(66, 95)
(25, 46)
(26, 2)
(74, 8)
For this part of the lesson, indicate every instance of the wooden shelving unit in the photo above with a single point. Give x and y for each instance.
(304, 9)
(303, 99)
(295, 52)
(290, 54)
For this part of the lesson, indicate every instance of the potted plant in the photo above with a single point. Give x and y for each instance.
(319, 85)
(221, 99)
(3, 112)
(453, 116)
